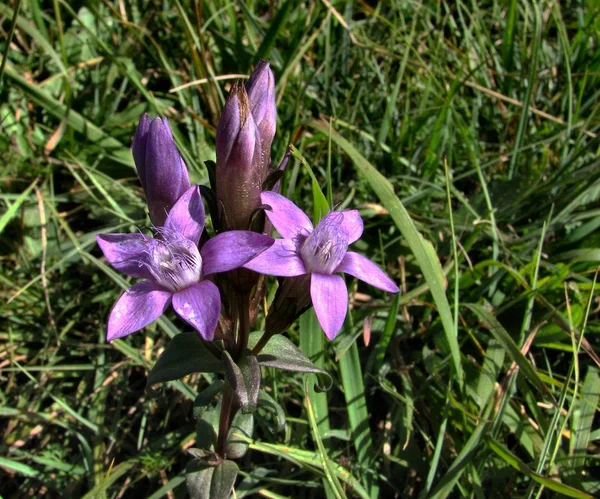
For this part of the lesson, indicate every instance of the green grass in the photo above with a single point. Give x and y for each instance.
(467, 133)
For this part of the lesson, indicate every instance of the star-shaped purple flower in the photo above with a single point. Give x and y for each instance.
(319, 251)
(175, 270)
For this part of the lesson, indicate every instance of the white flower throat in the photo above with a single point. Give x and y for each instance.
(176, 264)
(325, 247)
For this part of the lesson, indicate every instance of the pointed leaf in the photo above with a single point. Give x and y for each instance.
(210, 482)
(245, 380)
(281, 353)
(206, 397)
(207, 428)
(223, 480)
(198, 479)
(185, 354)
(242, 426)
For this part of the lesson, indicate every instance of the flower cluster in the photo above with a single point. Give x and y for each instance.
(216, 280)
(183, 266)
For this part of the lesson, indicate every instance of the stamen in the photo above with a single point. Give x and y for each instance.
(323, 249)
(175, 262)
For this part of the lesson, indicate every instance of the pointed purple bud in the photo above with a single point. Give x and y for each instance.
(239, 172)
(162, 172)
(261, 94)
(291, 301)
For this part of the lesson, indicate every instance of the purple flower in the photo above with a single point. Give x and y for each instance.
(162, 172)
(319, 251)
(175, 270)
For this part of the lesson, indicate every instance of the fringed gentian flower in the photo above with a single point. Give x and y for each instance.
(161, 169)
(320, 251)
(175, 270)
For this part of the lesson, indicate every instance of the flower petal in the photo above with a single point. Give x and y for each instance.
(365, 270)
(330, 299)
(200, 305)
(187, 216)
(232, 249)
(348, 220)
(288, 219)
(280, 260)
(128, 253)
(139, 306)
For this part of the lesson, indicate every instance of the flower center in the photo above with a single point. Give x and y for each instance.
(324, 249)
(176, 263)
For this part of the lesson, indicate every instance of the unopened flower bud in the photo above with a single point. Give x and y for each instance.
(239, 172)
(261, 94)
(291, 301)
(161, 169)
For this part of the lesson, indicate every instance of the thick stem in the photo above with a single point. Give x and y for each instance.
(225, 420)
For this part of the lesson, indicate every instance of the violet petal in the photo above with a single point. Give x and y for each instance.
(232, 249)
(128, 253)
(330, 299)
(364, 269)
(139, 306)
(289, 220)
(280, 260)
(350, 222)
(200, 306)
(187, 216)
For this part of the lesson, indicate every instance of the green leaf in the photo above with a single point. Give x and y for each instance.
(329, 470)
(586, 409)
(281, 353)
(210, 482)
(243, 424)
(207, 428)
(509, 345)
(358, 413)
(198, 478)
(185, 354)
(515, 462)
(14, 208)
(207, 396)
(422, 249)
(223, 480)
(267, 402)
(244, 378)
